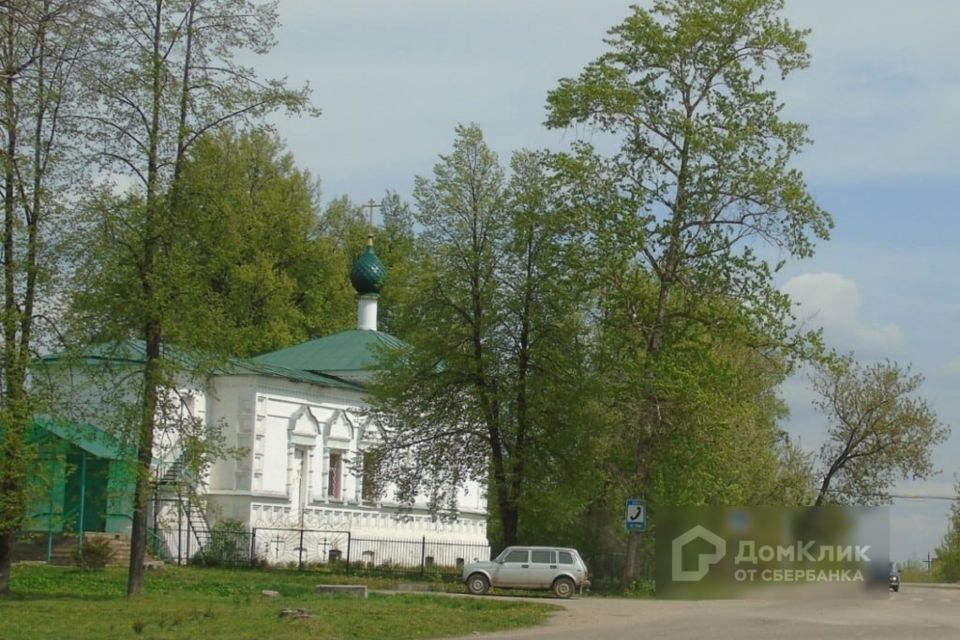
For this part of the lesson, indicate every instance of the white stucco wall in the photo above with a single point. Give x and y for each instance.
(281, 421)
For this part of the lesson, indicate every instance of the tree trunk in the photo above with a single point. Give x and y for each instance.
(505, 506)
(12, 483)
(634, 540)
(153, 326)
(825, 485)
(509, 520)
(650, 417)
(7, 539)
(13, 503)
(141, 496)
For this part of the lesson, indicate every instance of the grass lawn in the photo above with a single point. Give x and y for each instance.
(208, 604)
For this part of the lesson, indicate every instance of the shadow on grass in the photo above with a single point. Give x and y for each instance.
(39, 596)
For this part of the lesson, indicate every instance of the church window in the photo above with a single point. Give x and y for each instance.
(371, 488)
(335, 477)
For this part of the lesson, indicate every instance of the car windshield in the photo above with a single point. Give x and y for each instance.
(503, 555)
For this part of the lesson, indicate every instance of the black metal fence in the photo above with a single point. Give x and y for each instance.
(300, 547)
(189, 545)
(423, 556)
(316, 548)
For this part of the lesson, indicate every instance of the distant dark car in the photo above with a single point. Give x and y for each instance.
(894, 580)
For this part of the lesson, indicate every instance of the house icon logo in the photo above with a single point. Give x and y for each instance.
(704, 560)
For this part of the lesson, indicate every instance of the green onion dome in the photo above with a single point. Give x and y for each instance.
(368, 272)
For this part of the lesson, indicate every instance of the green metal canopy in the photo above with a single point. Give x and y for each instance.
(89, 438)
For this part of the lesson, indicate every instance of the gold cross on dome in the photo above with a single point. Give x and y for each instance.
(372, 204)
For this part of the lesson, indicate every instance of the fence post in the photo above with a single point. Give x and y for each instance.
(83, 499)
(253, 547)
(300, 551)
(188, 530)
(348, 552)
(423, 554)
(179, 528)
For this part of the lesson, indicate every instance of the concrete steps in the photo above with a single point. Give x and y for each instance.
(64, 549)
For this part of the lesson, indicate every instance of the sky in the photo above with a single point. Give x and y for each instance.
(393, 79)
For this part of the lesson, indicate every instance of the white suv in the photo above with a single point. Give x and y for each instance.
(556, 568)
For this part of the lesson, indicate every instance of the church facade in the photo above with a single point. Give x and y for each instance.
(302, 479)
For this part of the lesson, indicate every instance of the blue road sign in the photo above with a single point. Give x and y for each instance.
(635, 517)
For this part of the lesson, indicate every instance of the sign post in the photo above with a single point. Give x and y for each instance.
(635, 517)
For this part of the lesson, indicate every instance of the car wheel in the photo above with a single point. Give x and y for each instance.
(477, 584)
(896, 589)
(563, 587)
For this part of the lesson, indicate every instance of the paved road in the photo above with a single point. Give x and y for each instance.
(916, 613)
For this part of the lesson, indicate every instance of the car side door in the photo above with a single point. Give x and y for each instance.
(543, 567)
(572, 563)
(514, 570)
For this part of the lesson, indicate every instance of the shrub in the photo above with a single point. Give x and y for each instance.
(94, 554)
(228, 545)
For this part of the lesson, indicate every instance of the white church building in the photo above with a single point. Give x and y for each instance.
(301, 481)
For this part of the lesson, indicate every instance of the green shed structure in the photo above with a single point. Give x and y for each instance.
(83, 480)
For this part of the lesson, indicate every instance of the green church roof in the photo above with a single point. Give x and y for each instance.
(133, 352)
(356, 351)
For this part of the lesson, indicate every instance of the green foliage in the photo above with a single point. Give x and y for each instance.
(916, 571)
(245, 253)
(878, 429)
(795, 480)
(714, 438)
(397, 247)
(94, 554)
(15, 459)
(947, 566)
(251, 239)
(39, 44)
(702, 172)
(228, 545)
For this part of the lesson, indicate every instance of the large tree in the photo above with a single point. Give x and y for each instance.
(42, 42)
(878, 430)
(488, 391)
(697, 176)
(252, 237)
(717, 439)
(167, 76)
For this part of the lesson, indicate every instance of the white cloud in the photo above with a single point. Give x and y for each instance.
(832, 301)
(950, 368)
